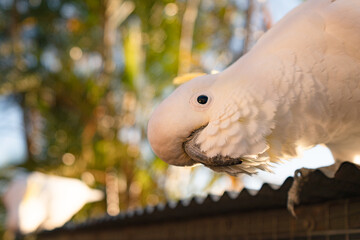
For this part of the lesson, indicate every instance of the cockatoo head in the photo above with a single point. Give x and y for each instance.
(175, 119)
(206, 121)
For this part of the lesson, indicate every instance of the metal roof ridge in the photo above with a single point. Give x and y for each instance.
(268, 196)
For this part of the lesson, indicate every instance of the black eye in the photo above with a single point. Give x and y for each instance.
(202, 99)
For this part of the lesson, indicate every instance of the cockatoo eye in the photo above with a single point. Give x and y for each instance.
(202, 99)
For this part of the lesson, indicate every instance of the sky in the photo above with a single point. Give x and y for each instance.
(279, 8)
(12, 140)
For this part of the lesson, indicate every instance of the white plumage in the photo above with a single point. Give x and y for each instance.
(37, 201)
(297, 87)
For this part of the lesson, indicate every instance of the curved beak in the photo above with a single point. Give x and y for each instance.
(164, 143)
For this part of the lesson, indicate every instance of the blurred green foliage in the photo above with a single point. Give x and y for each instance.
(88, 73)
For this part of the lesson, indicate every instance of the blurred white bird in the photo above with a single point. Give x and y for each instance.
(36, 201)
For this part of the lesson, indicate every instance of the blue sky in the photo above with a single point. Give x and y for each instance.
(12, 140)
(279, 8)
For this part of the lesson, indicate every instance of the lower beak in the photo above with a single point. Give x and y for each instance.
(193, 150)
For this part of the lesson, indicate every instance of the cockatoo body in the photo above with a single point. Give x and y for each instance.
(297, 87)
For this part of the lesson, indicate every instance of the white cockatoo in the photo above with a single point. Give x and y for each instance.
(37, 201)
(297, 87)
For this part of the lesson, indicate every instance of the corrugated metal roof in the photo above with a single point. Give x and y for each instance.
(315, 188)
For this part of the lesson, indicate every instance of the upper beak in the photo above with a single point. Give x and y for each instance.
(165, 146)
